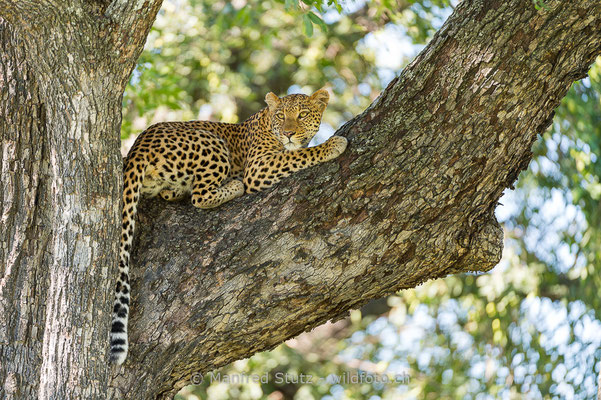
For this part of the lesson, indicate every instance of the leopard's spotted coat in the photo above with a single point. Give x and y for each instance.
(215, 162)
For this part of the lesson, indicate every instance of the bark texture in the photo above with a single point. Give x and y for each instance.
(63, 69)
(412, 199)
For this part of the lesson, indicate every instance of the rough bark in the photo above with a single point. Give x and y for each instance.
(63, 69)
(412, 199)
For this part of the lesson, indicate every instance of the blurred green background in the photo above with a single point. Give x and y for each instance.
(529, 329)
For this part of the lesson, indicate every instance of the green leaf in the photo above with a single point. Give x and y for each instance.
(318, 21)
(307, 25)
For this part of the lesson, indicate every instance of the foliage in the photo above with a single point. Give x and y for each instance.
(217, 60)
(212, 59)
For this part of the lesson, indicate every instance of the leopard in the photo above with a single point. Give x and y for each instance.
(213, 163)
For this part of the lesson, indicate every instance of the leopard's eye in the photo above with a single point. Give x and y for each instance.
(303, 114)
(279, 115)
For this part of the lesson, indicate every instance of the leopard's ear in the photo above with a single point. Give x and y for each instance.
(272, 101)
(321, 98)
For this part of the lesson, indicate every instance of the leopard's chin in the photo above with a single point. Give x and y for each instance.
(292, 146)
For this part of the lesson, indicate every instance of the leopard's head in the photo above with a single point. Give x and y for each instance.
(295, 118)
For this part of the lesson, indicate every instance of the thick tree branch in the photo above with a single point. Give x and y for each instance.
(412, 199)
(128, 29)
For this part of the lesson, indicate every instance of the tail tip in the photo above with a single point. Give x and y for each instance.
(118, 356)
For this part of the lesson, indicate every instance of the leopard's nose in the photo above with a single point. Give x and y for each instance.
(288, 133)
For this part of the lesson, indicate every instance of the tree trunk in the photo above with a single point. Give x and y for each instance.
(62, 76)
(411, 199)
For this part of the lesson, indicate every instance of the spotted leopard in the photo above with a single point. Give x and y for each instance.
(215, 162)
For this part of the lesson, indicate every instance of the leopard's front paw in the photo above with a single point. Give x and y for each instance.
(337, 145)
(236, 188)
(170, 195)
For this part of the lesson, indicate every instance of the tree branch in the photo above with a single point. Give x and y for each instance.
(129, 25)
(412, 199)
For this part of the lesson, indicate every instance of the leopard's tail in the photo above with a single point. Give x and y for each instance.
(133, 175)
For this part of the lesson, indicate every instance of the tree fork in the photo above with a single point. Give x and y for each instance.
(412, 199)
